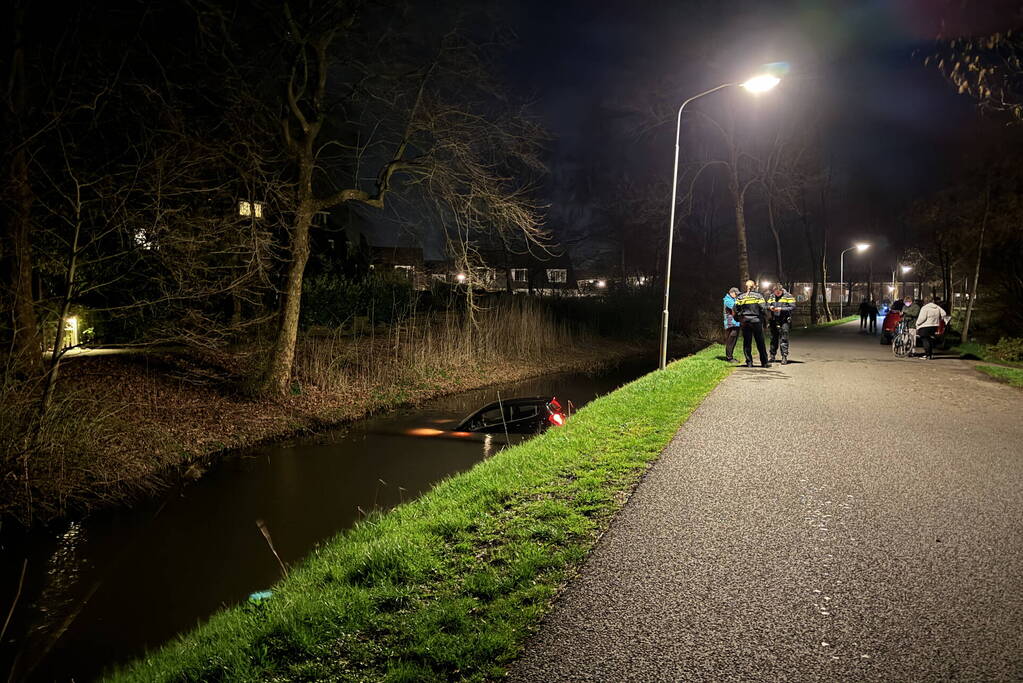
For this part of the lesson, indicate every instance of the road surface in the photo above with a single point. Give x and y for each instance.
(851, 516)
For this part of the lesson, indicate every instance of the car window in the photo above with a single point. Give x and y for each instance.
(523, 411)
(492, 416)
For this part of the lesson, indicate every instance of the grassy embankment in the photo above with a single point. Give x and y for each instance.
(821, 326)
(126, 426)
(1011, 376)
(976, 351)
(1010, 372)
(447, 587)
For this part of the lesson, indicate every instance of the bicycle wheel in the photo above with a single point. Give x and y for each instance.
(902, 345)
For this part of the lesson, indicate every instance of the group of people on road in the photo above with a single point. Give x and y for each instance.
(747, 313)
(868, 316)
(926, 320)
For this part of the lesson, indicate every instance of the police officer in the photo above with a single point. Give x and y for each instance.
(781, 304)
(751, 311)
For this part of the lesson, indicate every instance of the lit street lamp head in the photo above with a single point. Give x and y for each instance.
(862, 246)
(761, 84)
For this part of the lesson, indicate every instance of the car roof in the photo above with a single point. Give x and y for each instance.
(524, 400)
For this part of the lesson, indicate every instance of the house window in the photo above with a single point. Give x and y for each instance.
(247, 208)
(407, 271)
(557, 275)
(142, 239)
(520, 274)
(439, 277)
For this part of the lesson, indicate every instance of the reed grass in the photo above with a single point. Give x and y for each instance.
(423, 346)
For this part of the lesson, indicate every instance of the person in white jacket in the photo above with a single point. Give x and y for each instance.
(927, 323)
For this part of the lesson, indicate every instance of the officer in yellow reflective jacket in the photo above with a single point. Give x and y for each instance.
(781, 304)
(751, 312)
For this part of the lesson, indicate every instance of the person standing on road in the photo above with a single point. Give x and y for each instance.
(781, 305)
(872, 314)
(927, 323)
(864, 308)
(910, 310)
(751, 311)
(731, 324)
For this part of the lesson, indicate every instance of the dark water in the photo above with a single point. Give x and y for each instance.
(102, 591)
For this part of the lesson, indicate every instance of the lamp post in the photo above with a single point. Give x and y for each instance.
(756, 85)
(860, 247)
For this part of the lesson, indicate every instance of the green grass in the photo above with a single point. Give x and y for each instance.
(821, 326)
(975, 351)
(448, 586)
(1011, 376)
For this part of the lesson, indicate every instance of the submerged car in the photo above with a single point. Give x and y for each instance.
(515, 415)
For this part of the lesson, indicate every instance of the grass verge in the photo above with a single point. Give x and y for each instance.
(1011, 376)
(821, 326)
(976, 351)
(448, 586)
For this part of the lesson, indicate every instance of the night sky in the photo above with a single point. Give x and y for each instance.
(895, 128)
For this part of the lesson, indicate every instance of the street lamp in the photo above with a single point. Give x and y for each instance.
(859, 247)
(756, 85)
(905, 269)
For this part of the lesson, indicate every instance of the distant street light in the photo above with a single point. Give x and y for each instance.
(905, 269)
(860, 247)
(756, 85)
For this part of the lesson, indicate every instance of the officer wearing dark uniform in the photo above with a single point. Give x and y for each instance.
(751, 311)
(781, 305)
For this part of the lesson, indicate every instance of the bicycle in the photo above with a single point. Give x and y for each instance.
(904, 340)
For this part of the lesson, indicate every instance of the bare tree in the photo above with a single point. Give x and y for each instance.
(351, 102)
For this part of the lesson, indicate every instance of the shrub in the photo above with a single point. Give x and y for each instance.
(1008, 349)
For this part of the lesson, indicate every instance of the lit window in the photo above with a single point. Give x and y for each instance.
(557, 275)
(439, 277)
(246, 208)
(407, 271)
(520, 275)
(142, 239)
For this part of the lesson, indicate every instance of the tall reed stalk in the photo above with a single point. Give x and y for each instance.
(424, 344)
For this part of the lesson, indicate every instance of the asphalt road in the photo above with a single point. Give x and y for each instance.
(851, 516)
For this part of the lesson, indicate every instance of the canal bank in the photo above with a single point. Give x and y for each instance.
(448, 585)
(130, 426)
(103, 590)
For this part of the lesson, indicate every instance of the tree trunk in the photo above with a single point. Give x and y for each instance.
(278, 373)
(824, 283)
(740, 219)
(65, 307)
(976, 270)
(813, 259)
(24, 342)
(777, 239)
